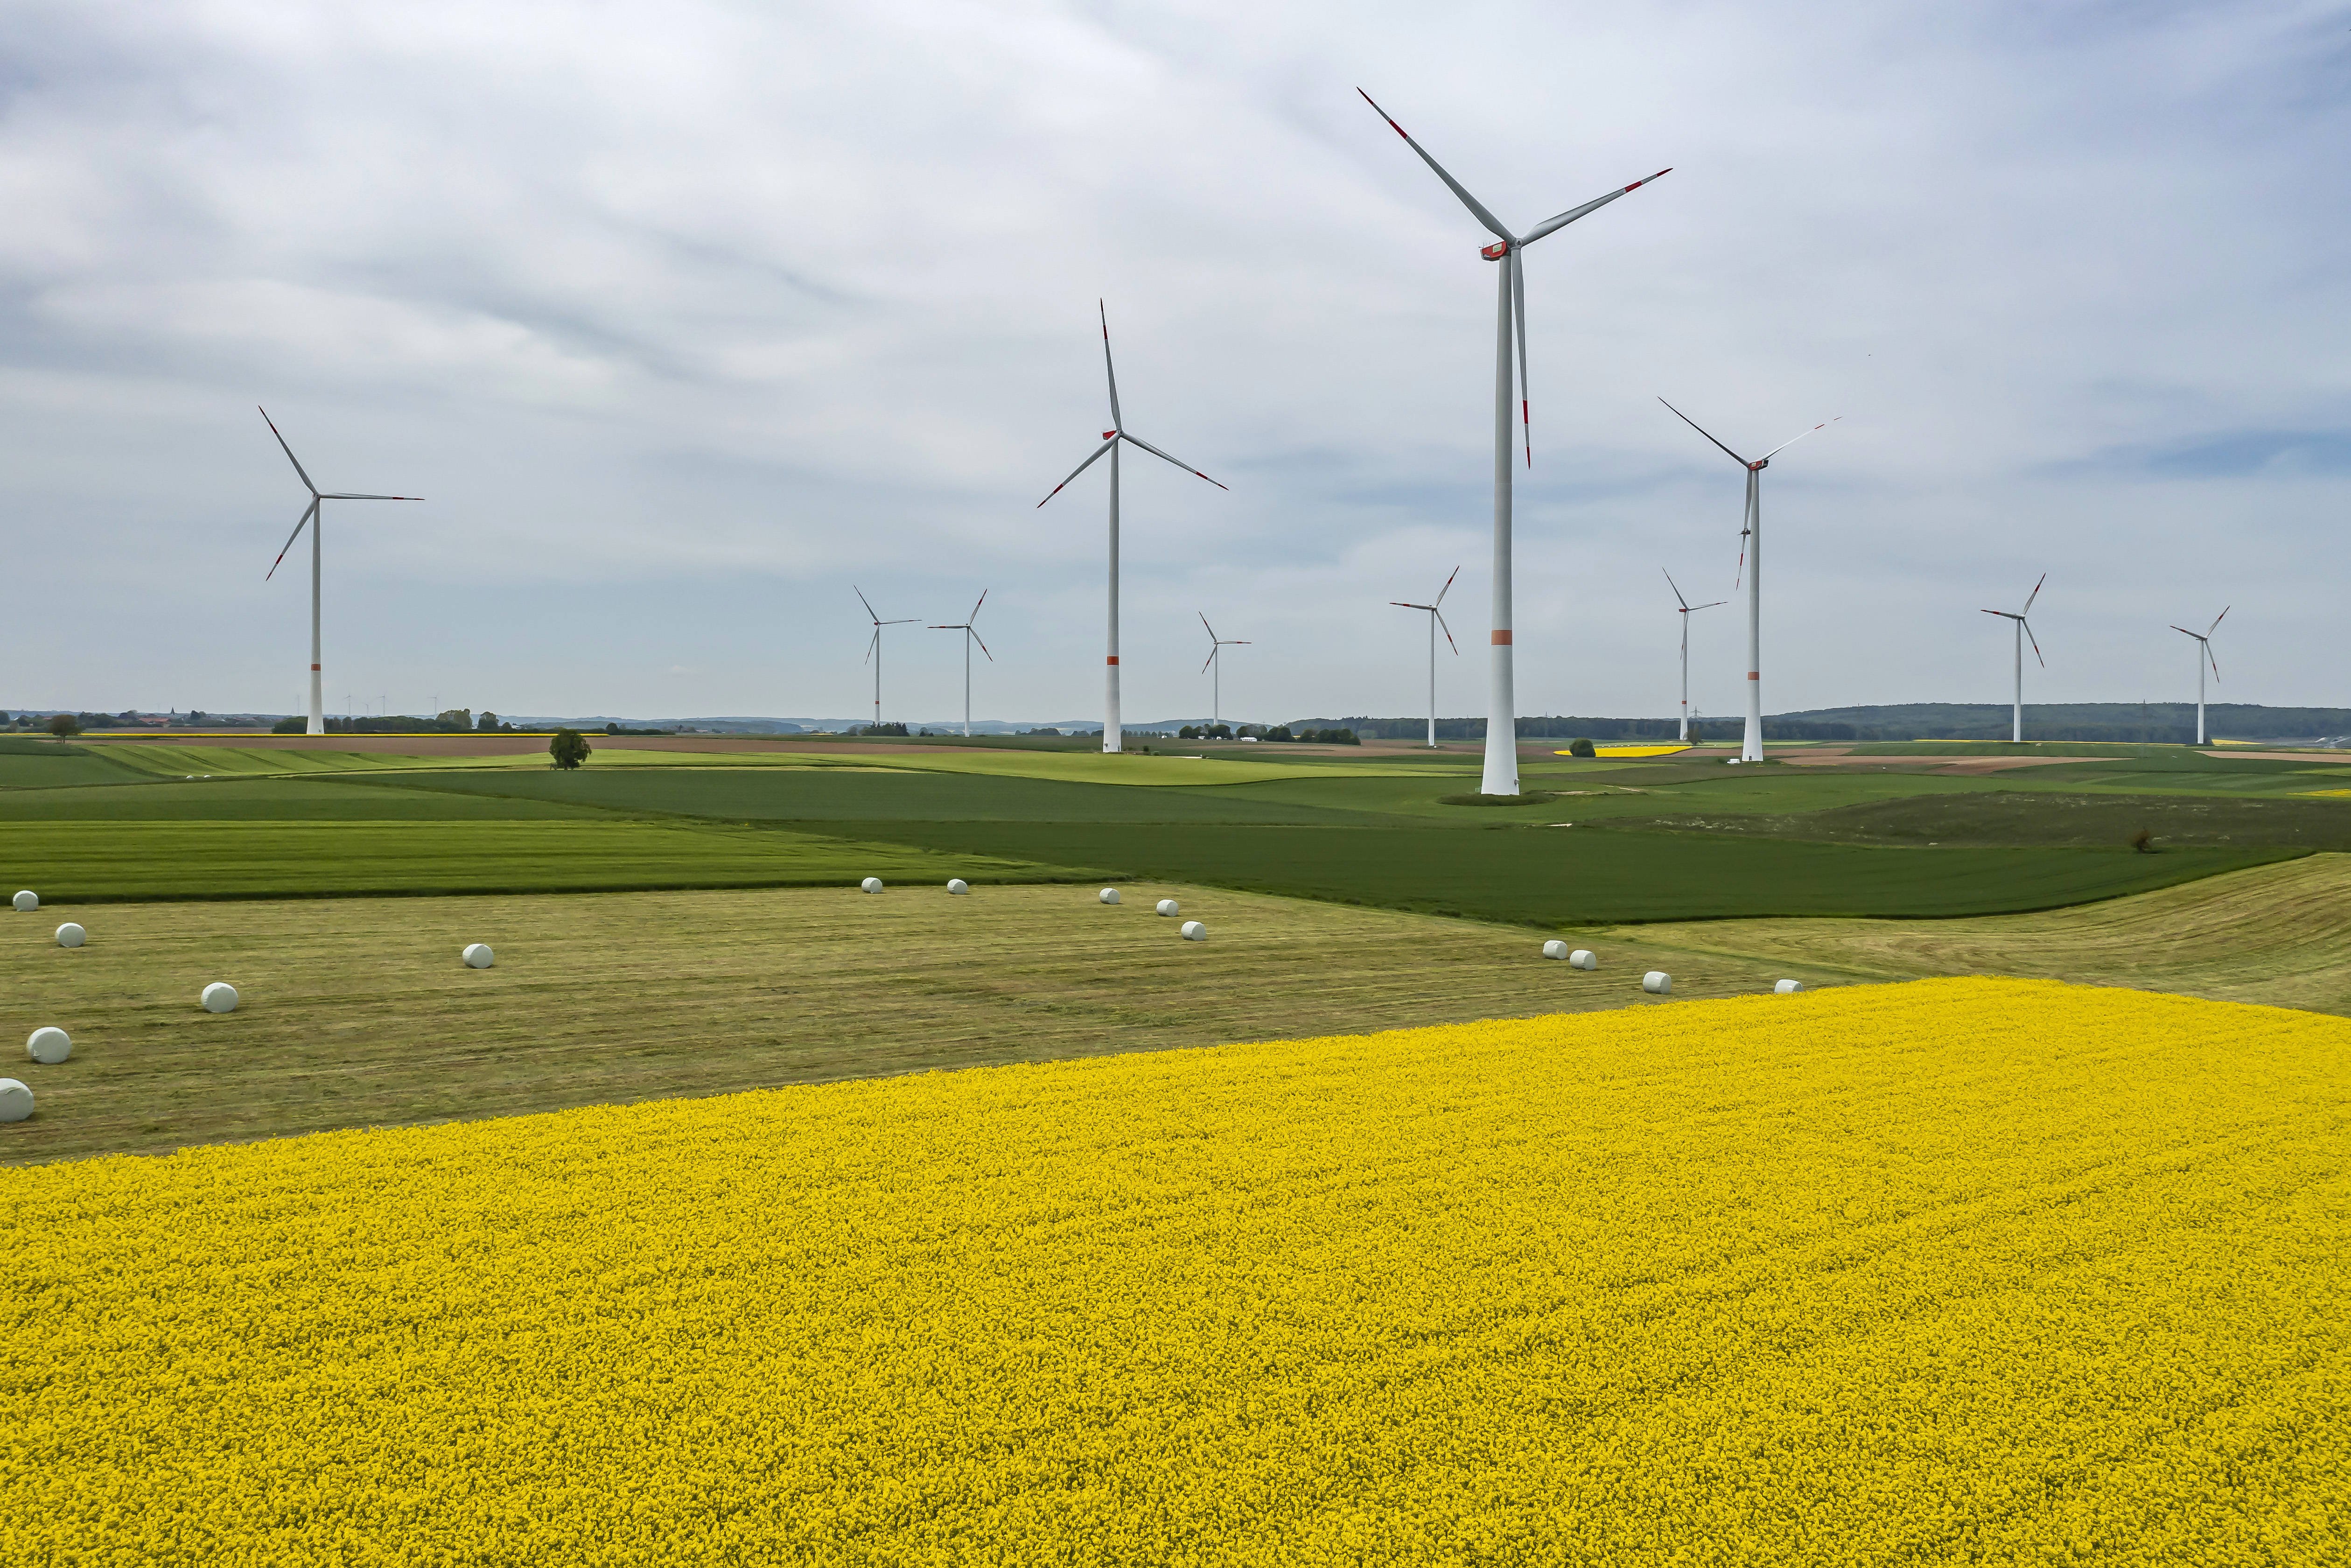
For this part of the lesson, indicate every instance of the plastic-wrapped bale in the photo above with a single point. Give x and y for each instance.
(1109, 895)
(220, 997)
(957, 884)
(1554, 949)
(16, 1101)
(1195, 931)
(1584, 958)
(1168, 906)
(49, 1045)
(477, 955)
(1787, 987)
(72, 935)
(1656, 982)
(870, 884)
(27, 901)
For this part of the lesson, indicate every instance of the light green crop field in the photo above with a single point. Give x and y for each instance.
(356, 1012)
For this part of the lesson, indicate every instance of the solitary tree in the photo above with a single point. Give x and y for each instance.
(569, 748)
(487, 721)
(64, 724)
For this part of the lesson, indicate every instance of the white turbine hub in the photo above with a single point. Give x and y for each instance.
(1656, 982)
(477, 955)
(1195, 931)
(1109, 895)
(1584, 958)
(49, 1045)
(72, 935)
(220, 997)
(870, 884)
(1787, 987)
(957, 884)
(16, 1101)
(1554, 949)
(1170, 907)
(27, 901)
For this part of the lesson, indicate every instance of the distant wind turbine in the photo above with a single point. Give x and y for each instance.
(2203, 657)
(969, 637)
(1216, 645)
(1688, 609)
(1750, 563)
(1436, 619)
(314, 517)
(2024, 632)
(873, 649)
(1502, 772)
(1111, 439)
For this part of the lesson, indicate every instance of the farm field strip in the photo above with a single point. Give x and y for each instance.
(1968, 1270)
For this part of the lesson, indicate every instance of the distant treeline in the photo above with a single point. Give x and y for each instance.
(2144, 723)
(1558, 726)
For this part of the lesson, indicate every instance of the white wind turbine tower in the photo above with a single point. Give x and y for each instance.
(1750, 563)
(2024, 632)
(969, 637)
(2203, 657)
(1436, 619)
(873, 649)
(1216, 645)
(1688, 609)
(1501, 773)
(1111, 439)
(314, 517)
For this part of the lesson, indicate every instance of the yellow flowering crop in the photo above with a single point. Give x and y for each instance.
(1961, 1270)
(1630, 751)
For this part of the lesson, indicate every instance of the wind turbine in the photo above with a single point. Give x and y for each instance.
(2024, 631)
(1216, 645)
(1501, 773)
(873, 649)
(969, 637)
(1688, 609)
(1111, 439)
(314, 517)
(2204, 642)
(1751, 562)
(1436, 619)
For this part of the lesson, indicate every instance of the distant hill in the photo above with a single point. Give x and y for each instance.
(2157, 723)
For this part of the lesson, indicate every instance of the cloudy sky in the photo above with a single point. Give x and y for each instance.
(684, 318)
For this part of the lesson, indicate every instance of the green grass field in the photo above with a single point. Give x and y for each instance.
(2014, 818)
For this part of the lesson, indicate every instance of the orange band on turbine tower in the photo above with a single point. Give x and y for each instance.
(1753, 677)
(1114, 658)
(1502, 638)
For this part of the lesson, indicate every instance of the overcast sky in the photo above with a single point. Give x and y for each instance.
(684, 318)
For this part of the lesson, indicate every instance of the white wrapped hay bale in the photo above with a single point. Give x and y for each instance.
(1787, 987)
(27, 901)
(1109, 895)
(1656, 982)
(1169, 907)
(1554, 949)
(16, 1101)
(1195, 931)
(957, 884)
(1584, 958)
(870, 884)
(72, 935)
(220, 997)
(49, 1045)
(477, 955)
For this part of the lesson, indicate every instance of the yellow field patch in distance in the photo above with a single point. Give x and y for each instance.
(1629, 751)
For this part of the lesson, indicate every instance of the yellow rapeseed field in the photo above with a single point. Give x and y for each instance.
(1960, 1271)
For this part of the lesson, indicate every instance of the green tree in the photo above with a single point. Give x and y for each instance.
(1581, 748)
(457, 717)
(488, 720)
(64, 724)
(569, 748)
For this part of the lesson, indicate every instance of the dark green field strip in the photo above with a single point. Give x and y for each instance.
(2117, 749)
(848, 794)
(85, 862)
(1611, 790)
(29, 764)
(269, 800)
(1549, 877)
(2249, 775)
(2032, 818)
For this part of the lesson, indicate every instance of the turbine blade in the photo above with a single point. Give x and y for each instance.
(1793, 439)
(1565, 218)
(976, 603)
(1447, 631)
(983, 645)
(2032, 596)
(1080, 468)
(1676, 587)
(2216, 663)
(1212, 631)
(1237, 642)
(1211, 658)
(1716, 605)
(1108, 369)
(2003, 614)
(339, 495)
(1694, 424)
(872, 646)
(1493, 224)
(1448, 588)
(288, 451)
(1518, 315)
(2186, 632)
(2216, 619)
(865, 601)
(902, 620)
(2029, 637)
(1177, 460)
(307, 513)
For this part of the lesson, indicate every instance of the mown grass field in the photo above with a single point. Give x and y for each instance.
(2011, 818)
(1996, 1272)
(356, 1012)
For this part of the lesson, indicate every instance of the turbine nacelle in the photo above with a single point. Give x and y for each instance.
(1496, 251)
